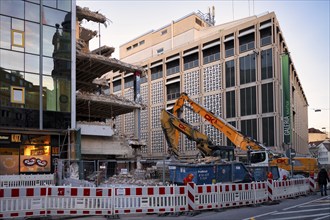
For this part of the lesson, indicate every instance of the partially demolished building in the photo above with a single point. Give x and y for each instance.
(97, 108)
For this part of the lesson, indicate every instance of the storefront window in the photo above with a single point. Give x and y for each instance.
(8, 158)
(35, 157)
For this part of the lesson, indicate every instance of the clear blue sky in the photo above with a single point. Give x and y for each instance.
(305, 26)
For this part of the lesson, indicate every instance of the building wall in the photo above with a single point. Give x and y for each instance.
(252, 102)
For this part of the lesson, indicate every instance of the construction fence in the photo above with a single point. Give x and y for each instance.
(49, 200)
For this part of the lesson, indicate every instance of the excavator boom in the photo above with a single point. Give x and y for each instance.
(237, 138)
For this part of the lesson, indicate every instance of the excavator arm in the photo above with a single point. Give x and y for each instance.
(239, 140)
(172, 125)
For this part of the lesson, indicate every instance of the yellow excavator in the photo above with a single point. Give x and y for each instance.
(258, 154)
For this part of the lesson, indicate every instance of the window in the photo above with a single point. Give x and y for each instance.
(157, 72)
(163, 32)
(265, 36)
(249, 128)
(135, 45)
(129, 82)
(267, 97)
(230, 73)
(143, 80)
(191, 61)
(246, 42)
(141, 42)
(211, 54)
(268, 131)
(229, 143)
(17, 38)
(173, 91)
(173, 67)
(248, 101)
(129, 48)
(160, 51)
(229, 48)
(266, 64)
(230, 104)
(199, 22)
(117, 85)
(247, 69)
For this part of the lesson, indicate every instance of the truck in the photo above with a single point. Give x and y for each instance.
(257, 153)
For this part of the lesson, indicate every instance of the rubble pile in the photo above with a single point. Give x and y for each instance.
(136, 177)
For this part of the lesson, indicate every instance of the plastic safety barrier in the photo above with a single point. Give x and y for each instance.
(26, 180)
(73, 201)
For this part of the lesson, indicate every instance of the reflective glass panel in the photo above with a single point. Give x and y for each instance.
(31, 63)
(48, 46)
(64, 5)
(5, 32)
(48, 66)
(32, 87)
(50, 3)
(13, 8)
(17, 24)
(52, 17)
(48, 93)
(32, 38)
(32, 12)
(11, 60)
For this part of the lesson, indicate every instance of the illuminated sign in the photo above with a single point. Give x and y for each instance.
(16, 138)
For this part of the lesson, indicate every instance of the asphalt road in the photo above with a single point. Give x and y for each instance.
(303, 208)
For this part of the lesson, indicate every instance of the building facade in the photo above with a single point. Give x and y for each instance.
(37, 71)
(241, 71)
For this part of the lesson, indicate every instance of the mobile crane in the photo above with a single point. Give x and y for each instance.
(258, 154)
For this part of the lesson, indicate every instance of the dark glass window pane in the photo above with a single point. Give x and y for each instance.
(56, 120)
(229, 48)
(211, 54)
(12, 8)
(32, 85)
(143, 80)
(247, 69)
(129, 82)
(266, 64)
(5, 32)
(116, 85)
(32, 12)
(265, 36)
(249, 128)
(32, 38)
(191, 61)
(268, 131)
(230, 73)
(173, 91)
(157, 72)
(267, 98)
(248, 101)
(246, 43)
(173, 67)
(229, 143)
(230, 104)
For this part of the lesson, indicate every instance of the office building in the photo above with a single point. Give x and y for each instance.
(241, 70)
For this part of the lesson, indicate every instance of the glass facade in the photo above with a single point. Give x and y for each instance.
(35, 75)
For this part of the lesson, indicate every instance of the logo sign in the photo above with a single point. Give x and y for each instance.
(16, 138)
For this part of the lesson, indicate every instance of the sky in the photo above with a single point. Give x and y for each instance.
(304, 24)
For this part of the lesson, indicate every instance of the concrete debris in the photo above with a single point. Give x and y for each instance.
(86, 13)
(136, 177)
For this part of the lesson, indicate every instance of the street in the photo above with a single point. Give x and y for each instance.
(304, 207)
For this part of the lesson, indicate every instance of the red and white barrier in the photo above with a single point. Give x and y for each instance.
(26, 180)
(72, 201)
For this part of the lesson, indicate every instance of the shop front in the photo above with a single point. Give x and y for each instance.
(27, 153)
